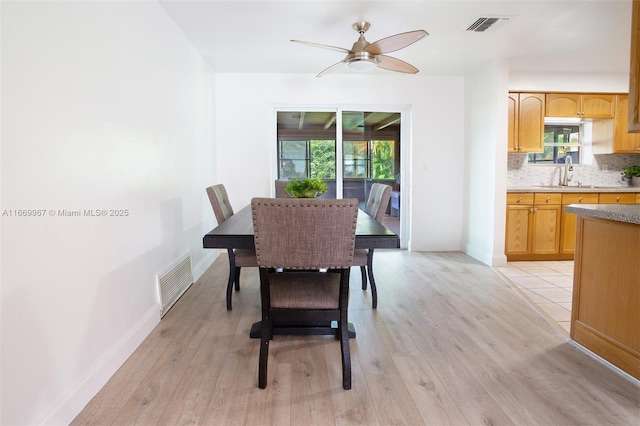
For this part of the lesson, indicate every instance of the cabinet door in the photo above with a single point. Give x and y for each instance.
(531, 122)
(513, 122)
(546, 229)
(568, 225)
(517, 233)
(562, 104)
(623, 141)
(597, 106)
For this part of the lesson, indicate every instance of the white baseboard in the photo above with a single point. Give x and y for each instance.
(199, 269)
(72, 401)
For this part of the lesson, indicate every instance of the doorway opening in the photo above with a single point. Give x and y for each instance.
(349, 149)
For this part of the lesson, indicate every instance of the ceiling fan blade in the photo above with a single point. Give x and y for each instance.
(394, 64)
(329, 69)
(324, 46)
(395, 42)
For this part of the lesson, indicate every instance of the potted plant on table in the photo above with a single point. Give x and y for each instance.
(306, 188)
(633, 173)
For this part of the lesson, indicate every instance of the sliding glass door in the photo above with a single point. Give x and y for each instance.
(349, 149)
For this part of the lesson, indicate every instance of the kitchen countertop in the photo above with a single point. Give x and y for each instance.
(573, 188)
(629, 213)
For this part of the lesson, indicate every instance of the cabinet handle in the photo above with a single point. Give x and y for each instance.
(531, 209)
(617, 198)
(548, 199)
(580, 199)
(520, 199)
(638, 149)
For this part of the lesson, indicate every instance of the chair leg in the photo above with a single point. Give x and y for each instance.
(267, 329)
(372, 281)
(363, 273)
(237, 278)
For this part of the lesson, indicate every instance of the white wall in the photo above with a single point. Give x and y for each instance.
(485, 162)
(568, 82)
(245, 103)
(105, 105)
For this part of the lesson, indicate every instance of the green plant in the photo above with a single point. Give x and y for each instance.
(306, 188)
(633, 171)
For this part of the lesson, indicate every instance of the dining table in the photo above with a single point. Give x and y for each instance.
(236, 232)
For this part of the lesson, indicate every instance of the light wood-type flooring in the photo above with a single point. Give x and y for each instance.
(451, 343)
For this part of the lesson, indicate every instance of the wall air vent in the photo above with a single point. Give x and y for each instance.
(173, 281)
(483, 24)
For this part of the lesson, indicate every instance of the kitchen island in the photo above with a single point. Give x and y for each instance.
(605, 315)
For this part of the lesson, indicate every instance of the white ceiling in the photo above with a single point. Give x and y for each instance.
(543, 36)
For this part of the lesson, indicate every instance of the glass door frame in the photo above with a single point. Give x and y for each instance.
(405, 149)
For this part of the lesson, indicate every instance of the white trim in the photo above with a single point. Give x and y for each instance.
(76, 397)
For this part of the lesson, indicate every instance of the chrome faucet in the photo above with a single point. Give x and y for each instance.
(568, 167)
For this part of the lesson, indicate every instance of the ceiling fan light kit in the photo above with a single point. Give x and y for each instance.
(364, 56)
(361, 62)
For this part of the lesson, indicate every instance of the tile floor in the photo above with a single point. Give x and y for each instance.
(547, 284)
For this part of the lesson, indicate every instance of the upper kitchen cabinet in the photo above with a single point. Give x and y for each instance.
(583, 105)
(623, 141)
(526, 121)
(634, 75)
(612, 136)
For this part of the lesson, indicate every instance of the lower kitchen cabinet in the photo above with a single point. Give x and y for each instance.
(533, 226)
(568, 225)
(618, 198)
(538, 228)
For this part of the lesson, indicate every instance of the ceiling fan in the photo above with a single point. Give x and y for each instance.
(364, 55)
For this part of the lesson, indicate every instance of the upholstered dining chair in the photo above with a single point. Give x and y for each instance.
(238, 258)
(280, 191)
(304, 249)
(376, 206)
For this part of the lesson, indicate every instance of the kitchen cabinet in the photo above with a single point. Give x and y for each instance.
(539, 228)
(634, 71)
(623, 141)
(605, 314)
(568, 224)
(612, 136)
(583, 105)
(526, 122)
(533, 225)
(618, 198)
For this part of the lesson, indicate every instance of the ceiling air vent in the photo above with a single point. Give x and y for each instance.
(483, 24)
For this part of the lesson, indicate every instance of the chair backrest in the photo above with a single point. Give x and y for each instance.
(378, 201)
(220, 202)
(302, 233)
(280, 191)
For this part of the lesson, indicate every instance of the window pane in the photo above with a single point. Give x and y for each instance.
(293, 159)
(293, 149)
(383, 163)
(355, 157)
(323, 159)
(559, 141)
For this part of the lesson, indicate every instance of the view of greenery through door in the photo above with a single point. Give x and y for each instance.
(370, 148)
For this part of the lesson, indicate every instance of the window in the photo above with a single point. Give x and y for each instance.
(560, 140)
(369, 159)
(302, 159)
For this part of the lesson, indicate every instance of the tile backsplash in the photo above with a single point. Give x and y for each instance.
(604, 171)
